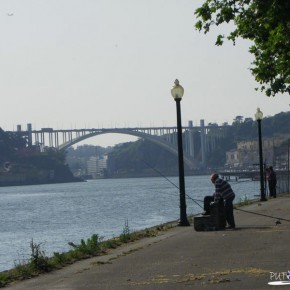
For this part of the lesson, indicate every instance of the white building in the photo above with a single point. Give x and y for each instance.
(96, 165)
(232, 158)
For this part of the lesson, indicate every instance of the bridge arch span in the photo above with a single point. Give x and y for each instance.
(155, 139)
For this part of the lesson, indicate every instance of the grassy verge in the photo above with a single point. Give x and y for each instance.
(39, 263)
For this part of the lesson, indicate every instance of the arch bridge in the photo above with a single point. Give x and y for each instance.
(197, 141)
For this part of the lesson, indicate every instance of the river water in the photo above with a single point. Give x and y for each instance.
(56, 214)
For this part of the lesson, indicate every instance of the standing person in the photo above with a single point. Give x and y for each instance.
(272, 181)
(223, 188)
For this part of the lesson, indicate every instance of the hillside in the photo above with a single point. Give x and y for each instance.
(143, 157)
(22, 165)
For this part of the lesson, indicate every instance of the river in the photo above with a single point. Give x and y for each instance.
(55, 214)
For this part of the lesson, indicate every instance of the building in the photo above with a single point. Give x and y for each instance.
(247, 153)
(96, 166)
(232, 158)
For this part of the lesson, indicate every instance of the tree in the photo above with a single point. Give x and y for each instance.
(238, 119)
(9, 144)
(267, 24)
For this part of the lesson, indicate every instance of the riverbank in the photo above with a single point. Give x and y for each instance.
(57, 214)
(180, 257)
(36, 177)
(39, 263)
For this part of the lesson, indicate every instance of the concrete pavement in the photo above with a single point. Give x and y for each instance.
(256, 253)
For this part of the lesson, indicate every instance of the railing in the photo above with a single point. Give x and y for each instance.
(282, 182)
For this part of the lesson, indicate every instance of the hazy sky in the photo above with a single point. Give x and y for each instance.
(71, 64)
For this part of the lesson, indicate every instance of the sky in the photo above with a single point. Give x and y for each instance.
(71, 64)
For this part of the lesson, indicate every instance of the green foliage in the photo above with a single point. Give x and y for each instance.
(217, 157)
(33, 164)
(126, 234)
(89, 247)
(245, 201)
(267, 24)
(38, 261)
(86, 151)
(134, 157)
(3, 279)
(9, 145)
(59, 259)
(23, 271)
(111, 244)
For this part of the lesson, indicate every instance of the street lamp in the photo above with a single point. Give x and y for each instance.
(259, 117)
(177, 93)
(288, 166)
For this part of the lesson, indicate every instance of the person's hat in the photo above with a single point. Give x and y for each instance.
(214, 176)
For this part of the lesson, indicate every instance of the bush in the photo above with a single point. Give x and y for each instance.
(38, 261)
(127, 235)
(90, 247)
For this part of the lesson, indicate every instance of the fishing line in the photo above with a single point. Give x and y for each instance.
(160, 173)
(269, 216)
(239, 181)
(196, 200)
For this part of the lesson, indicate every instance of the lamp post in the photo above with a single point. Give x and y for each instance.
(177, 93)
(288, 166)
(259, 117)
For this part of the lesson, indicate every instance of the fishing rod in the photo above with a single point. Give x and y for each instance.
(161, 174)
(269, 216)
(240, 181)
(196, 200)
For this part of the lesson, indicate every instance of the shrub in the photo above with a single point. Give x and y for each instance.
(90, 247)
(127, 235)
(38, 261)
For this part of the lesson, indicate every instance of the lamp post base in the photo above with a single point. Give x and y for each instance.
(183, 223)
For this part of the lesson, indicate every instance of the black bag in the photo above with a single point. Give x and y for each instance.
(213, 222)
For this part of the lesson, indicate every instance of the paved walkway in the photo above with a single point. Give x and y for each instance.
(181, 258)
